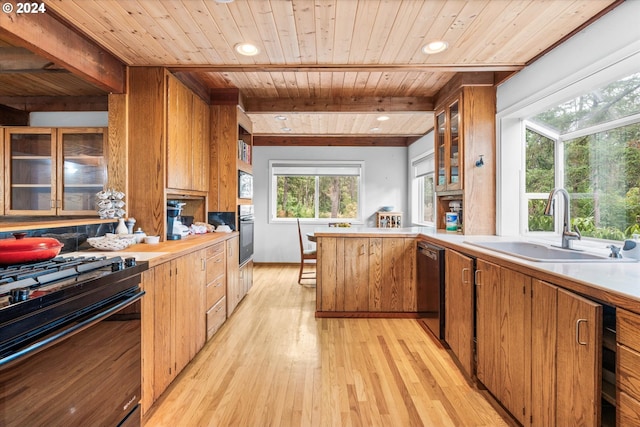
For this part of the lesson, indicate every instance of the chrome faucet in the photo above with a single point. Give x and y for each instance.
(568, 236)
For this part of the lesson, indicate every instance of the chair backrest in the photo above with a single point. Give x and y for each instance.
(300, 236)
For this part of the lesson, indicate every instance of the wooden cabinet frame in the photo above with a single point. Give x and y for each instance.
(57, 159)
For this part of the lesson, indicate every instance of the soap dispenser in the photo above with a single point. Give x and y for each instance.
(631, 248)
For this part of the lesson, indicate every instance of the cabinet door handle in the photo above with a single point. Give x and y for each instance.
(578, 322)
(463, 275)
(362, 250)
(477, 277)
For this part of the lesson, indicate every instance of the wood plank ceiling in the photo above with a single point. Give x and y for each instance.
(330, 66)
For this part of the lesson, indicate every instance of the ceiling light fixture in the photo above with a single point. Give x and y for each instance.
(281, 117)
(286, 129)
(224, 1)
(247, 49)
(376, 129)
(383, 118)
(435, 46)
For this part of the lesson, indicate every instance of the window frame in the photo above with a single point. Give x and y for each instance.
(319, 164)
(417, 199)
(559, 166)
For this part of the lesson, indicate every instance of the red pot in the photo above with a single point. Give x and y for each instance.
(30, 249)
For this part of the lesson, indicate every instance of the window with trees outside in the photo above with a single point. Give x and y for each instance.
(424, 191)
(590, 146)
(316, 191)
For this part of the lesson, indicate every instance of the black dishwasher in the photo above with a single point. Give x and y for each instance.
(431, 288)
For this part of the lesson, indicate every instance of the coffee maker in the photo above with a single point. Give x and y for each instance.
(174, 208)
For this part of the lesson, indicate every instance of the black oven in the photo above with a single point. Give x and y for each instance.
(70, 351)
(245, 227)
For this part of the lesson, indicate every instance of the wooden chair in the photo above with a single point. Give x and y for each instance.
(305, 255)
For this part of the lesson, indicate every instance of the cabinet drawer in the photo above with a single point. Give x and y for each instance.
(628, 328)
(628, 379)
(216, 316)
(215, 267)
(215, 290)
(214, 250)
(628, 411)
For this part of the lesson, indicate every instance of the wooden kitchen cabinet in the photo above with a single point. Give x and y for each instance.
(231, 129)
(366, 275)
(188, 138)
(459, 308)
(579, 363)
(216, 288)
(173, 321)
(538, 348)
(246, 276)
(53, 171)
(627, 376)
(503, 313)
(189, 280)
(465, 133)
(235, 289)
(168, 148)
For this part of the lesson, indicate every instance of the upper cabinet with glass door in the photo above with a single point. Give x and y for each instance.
(449, 148)
(51, 171)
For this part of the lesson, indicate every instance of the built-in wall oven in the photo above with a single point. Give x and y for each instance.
(70, 349)
(245, 227)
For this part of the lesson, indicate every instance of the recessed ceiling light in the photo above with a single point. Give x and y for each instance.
(435, 46)
(281, 118)
(376, 129)
(247, 49)
(224, 1)
(383, 118)
(286, 129)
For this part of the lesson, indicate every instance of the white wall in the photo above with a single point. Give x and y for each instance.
(69, 119)
(607, 49)
(385, 183)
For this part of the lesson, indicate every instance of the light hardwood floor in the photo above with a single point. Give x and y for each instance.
(274, 364)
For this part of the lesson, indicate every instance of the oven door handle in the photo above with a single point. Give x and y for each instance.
(68, 332)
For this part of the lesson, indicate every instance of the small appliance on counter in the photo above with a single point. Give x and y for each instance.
(222, 218)
(174, 225)
(631, 248)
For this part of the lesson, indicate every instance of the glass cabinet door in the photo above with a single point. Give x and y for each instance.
(454, 150)
(31, 178)
(82, 169)
(442, 151)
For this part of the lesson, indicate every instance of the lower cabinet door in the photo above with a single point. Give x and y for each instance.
(579, 360)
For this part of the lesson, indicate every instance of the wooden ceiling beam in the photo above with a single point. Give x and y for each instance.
(56, 103)
(340, 68)
(332, 141)
(48, 37)
(338, 104)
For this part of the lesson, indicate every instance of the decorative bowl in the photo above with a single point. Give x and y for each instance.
(115, 243)
(386, 209)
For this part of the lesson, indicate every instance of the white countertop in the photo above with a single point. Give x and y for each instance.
(621, 278)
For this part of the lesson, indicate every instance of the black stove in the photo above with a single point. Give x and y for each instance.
(38, 298)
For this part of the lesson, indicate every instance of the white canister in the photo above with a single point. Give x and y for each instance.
(451, 221)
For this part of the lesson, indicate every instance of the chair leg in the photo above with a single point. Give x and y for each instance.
(300, 274)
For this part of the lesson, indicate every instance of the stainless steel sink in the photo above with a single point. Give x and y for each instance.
(543, 253)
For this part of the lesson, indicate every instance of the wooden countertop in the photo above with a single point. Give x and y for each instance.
(164, 251)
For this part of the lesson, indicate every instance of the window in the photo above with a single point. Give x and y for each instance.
(316, 190)
(424, 191)
(591, 147)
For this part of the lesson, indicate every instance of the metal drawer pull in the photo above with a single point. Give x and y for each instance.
(578, 331)
(477, 277)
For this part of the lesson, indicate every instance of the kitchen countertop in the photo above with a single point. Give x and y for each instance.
(161, 252)
(615, 283)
